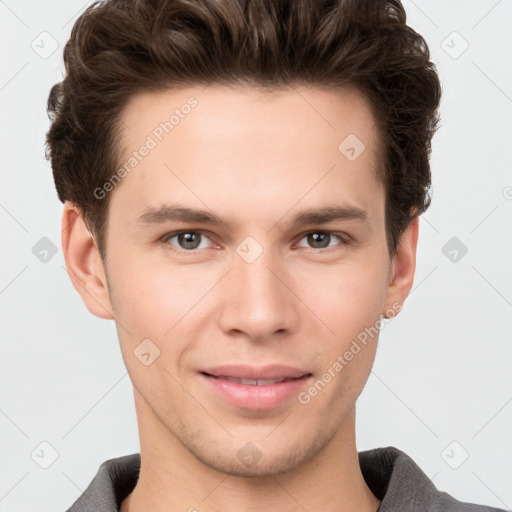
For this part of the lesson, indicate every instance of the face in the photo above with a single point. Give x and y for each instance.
(247, 245)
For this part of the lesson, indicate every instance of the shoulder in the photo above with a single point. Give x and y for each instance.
(114, 480)
(400, 484)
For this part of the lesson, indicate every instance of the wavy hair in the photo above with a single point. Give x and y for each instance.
(119, 48)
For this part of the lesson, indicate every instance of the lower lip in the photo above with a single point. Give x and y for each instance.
(255, 397)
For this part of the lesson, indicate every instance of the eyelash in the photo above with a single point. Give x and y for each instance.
(344, 240)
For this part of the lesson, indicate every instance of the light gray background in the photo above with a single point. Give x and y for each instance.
(443, 367)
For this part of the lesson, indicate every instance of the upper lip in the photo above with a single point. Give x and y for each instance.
(275, 371)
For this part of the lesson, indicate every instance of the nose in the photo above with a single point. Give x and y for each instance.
(259, 300)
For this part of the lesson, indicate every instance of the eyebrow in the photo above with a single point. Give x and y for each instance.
(166, 213)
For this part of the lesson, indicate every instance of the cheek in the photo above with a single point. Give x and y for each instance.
(352, 310)
(154, 298)
(347, 298)
(349, 301)
(163, 304)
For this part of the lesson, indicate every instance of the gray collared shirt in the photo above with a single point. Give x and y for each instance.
(390, 474)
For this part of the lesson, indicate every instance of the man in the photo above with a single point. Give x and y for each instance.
(242, 182)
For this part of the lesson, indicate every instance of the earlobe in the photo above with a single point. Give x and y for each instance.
(83, 263)
(402, 269)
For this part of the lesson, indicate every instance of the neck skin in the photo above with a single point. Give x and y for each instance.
(173, 479)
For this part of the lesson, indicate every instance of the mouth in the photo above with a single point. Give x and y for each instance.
(253, 382)
(273, 372)
(255, 388)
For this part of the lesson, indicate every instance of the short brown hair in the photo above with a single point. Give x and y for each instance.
(119, 48)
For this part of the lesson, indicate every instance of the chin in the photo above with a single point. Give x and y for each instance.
(259, 458)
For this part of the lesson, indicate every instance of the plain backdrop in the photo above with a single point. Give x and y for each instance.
(441, 387)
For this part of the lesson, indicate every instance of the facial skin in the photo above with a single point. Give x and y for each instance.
(255, 160)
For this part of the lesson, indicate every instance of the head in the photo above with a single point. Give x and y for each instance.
(254, 112)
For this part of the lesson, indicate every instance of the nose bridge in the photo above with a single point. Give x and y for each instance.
(259, 303)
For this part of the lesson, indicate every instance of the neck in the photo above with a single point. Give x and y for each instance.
(172, 478)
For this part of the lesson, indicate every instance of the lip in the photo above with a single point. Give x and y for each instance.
(255, 396)
(274, 371)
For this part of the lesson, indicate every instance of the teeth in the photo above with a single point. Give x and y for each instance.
(255, 382)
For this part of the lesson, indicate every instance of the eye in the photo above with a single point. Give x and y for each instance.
(187, 241)
(192, 241)
(322, 239)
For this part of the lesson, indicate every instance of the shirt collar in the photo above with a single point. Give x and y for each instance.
(390, 474)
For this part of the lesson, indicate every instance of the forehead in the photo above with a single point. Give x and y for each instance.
(242, 148)
(294, 113)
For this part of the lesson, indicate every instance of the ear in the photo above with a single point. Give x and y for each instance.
(402, 269)
(83, 263)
